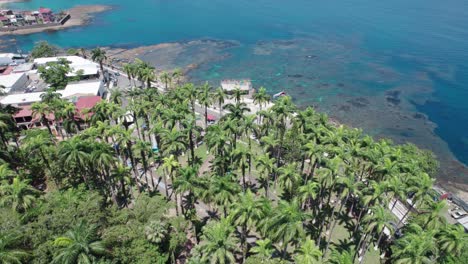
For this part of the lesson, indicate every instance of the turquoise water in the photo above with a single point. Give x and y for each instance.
(341, 56)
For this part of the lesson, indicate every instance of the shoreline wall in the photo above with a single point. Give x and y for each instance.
(45, 26)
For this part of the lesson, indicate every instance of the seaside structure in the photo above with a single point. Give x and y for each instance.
(229, 86)
(11, 20)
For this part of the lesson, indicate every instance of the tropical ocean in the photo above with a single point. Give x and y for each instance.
(397, 69)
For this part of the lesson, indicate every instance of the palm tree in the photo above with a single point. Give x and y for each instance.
(417, 246)
(308, 192)
(223, 190)
(377, 221)
(452, 240)
(247, 213)
(169, 164)
(237, 94)
(9, 254)
(264, 249)
(130, 69)
(345, 257)
(166, 79)
(219, 96)
(205, 99)
(285, 224)
(74, 156)
(265, 165)
(42, 109)
(18, 195)
(308, 253)
(218, 244)
(99, 55)
(241, 157)
(187, 182)
(147, 76)
(289, 178)
(261, 98)
(79, 245)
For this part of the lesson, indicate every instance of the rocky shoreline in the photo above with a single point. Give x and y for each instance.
(80, 16)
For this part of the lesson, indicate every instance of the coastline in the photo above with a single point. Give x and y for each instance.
(450, 176)
(80, 16)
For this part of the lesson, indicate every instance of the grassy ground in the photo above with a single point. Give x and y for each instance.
(341, 239)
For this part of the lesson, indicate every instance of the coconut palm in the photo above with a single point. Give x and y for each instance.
(220, 96)
(79, 245)
(241, 157)
(452, 240)
(264, 249)
(42, 110)
(376, 223)
(247, 213)
(417, 246)
(18, 195)
(187, 182)
(289, 178)
(344, 257)
(205, 99)
(286, 223)
(75, 157)
(99, 55)
(169, 164)
(307, 253)
(166, 79)
(223, 190)
(8, 253)
(265, 165)
(218, 244)
(308, 192)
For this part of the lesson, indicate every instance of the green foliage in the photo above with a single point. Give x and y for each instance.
(55, 74)
(277, 186)
(43, 49)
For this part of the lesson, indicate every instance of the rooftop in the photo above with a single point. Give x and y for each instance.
(8, 80)
(230, 85)
(21, 99)
(81, 88)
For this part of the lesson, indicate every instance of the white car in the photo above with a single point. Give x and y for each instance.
(459, 214)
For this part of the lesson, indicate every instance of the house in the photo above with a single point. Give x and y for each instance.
(88, 69)
(25, 118)
(14, 81)
(5, 21)
(46, 14)
(80, 89)
(21, 99)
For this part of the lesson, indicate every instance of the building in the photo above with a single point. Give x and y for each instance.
(21, 99)
(25, 118)
(14, 81)
(230, 85)
(87, 68)
(76, 90)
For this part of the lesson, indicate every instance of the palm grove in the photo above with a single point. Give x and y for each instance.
(284, 185)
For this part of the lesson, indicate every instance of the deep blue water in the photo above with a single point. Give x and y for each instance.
(362, 48)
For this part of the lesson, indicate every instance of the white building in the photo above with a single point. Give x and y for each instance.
(72, 91)
(88, 68)
(83, 89)
(14, 81)
(21, 99)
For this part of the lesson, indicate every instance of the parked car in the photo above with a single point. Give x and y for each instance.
(459, 214)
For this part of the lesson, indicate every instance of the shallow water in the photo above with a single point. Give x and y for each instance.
(341, 56)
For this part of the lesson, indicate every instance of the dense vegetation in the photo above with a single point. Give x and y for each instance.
(284, 185)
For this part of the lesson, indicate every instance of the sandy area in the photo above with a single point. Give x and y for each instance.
(80, 15)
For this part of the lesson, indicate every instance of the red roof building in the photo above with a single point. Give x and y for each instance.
(43, 10)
